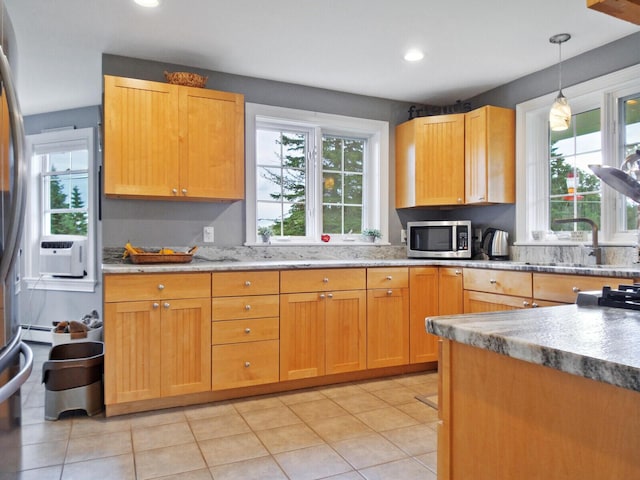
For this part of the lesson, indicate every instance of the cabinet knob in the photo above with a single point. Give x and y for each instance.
(325, 280)
(247, 283)
(525, 304)
(160, 286)
(247, 307)
(156, 305)
(493, 281)
(459, 200)
(481, 199)
(166, 305)
(389, 292)
(389, 277)
(575, 289)
(457, 272)
(247, 364)
(247, 330)
(174, 190)
(322, 295)
(330, 295)
(184, 191)
(534, 305)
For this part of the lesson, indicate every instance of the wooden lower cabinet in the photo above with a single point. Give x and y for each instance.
(157, 349)
(423, 302)
(387, 327)
(504, 419)
(322, 333)
(244, 364)
(477, 302)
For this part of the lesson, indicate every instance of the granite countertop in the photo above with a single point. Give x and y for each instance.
(594, 342)
(204, 264)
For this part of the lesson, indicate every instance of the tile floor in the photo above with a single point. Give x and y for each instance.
(374, 429)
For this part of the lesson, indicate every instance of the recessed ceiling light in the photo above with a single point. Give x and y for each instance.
(413, 55)
(148, 3)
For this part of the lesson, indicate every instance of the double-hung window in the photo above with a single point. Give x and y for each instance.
(315, 178)
(61, 202)
(553, 176)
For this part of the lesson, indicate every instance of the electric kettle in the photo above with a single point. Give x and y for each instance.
(495, 244)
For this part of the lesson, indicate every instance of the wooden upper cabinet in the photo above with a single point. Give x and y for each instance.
(458, 159)
(172, 142)
(490, 155)
(628, 10)
(430, 161)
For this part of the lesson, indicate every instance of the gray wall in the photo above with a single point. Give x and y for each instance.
(155, 223)
(41, 307)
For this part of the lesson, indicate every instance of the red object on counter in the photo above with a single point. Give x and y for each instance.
(325, 237)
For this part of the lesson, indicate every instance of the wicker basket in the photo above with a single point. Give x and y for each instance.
(187, 79)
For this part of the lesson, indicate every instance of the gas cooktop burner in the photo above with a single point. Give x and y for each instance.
(626, 296)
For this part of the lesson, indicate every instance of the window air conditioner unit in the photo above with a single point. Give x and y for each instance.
(63, 256)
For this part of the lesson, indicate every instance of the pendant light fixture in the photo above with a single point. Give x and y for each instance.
(560, 114)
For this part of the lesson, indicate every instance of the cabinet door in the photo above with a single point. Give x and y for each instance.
(387, 327)
(423, 302)
(490, 155)
(346, 331)
(132, 351)
(439, 169)
(302, 334)
(477, 302)
(211, 144)
(141, 137)
(450, 291)
(186, 346)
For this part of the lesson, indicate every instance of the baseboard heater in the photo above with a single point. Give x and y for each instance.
(36, 333)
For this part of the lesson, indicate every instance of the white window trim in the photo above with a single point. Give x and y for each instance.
(33, 228)
(532, 147)
(377, 175)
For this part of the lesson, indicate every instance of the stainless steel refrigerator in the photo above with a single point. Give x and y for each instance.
(16, 358)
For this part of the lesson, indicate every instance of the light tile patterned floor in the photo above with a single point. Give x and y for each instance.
(373, 429)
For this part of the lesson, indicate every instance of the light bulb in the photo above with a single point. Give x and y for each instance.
(560, 114)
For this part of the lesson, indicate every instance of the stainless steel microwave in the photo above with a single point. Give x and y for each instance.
(443, 239)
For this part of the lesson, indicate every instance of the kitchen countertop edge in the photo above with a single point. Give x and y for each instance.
(205, 265)
(591, 342)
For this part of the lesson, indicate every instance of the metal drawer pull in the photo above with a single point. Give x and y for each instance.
(389, 277)
(156, 305)
(322, 295)
(160, 286)
(493, 282)
(247, 283)
(184, 191)
(457, 272)
(174, 190)
(166, 305)
(325, 280)
(389, 292)
(534, 305)
(247, 364)
(525, 303)
(330, 295)
(575, 289)
(247, 330)
(247, 307)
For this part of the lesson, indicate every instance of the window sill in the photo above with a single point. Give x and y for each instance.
(287, 243)
(61, 284)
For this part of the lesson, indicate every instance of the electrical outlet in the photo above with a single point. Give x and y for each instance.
(403, 236)
(207, 234)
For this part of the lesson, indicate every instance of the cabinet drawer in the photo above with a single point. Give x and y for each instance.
(497, 281)
(231, 284)
(565, 288)
(244, 364)
(395, 277)
(323, 280)
(228, 308)
(478, 302)
(133, 287)
(249, 330)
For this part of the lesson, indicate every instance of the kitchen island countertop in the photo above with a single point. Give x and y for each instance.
(599, 343)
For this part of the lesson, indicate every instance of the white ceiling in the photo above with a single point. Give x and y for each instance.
(354, 46)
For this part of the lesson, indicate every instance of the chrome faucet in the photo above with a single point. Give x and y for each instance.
(596, 251)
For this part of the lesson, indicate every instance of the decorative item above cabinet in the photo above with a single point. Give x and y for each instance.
(172, 142)
(458, 159)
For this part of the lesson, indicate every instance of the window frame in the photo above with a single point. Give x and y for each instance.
(376, 200)
(532, 149)
(34, 211)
